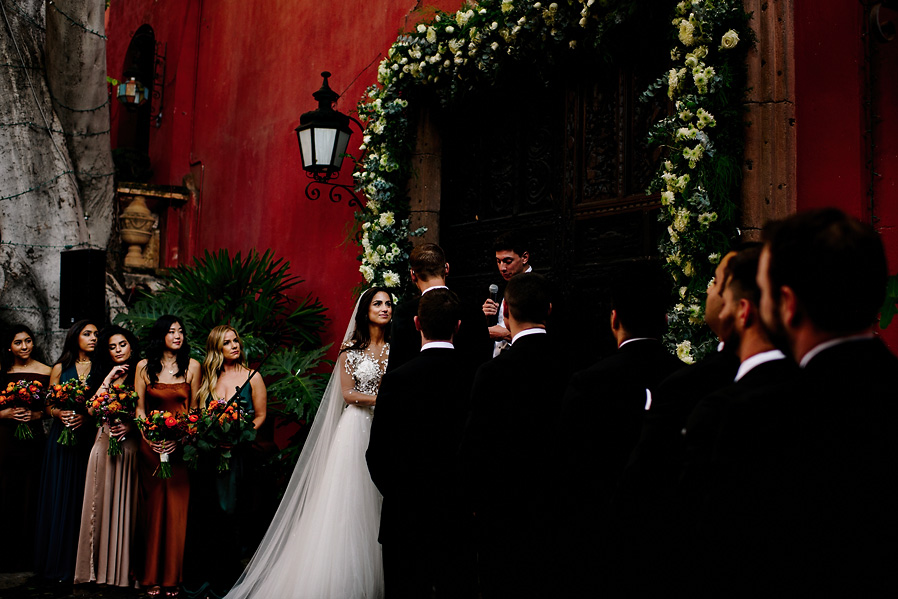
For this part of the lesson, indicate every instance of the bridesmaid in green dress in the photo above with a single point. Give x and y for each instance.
(20, 460)
(218, 504)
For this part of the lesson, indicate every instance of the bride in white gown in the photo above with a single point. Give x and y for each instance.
(322, 542)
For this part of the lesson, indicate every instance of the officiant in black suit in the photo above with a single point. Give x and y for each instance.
(428, 270)
(821, 451)
(412, 456)
(505, 451)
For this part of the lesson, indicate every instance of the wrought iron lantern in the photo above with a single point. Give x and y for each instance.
(132, 92)
(323, 136)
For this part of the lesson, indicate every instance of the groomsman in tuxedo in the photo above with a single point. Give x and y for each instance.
(512, 259)
(646, 505)
(428, 270)
(504, 454)
(412, 457)
(820, 453)
(714, 545)
(602, 415)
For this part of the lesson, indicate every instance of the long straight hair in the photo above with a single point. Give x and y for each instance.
(361, 337)
(156, 346)
(104, 356)
(70, 347)
(214, 360)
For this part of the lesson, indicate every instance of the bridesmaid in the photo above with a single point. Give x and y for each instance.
(20, 460)
(168, 379)
(110, 493)
(64, 469)
(218, 502)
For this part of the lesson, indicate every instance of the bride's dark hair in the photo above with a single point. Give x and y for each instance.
(361, 337)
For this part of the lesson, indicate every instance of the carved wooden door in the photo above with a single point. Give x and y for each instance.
(568, 167)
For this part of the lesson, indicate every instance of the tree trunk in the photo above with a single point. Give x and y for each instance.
(56, 184)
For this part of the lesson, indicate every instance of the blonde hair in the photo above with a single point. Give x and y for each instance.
(214, 360)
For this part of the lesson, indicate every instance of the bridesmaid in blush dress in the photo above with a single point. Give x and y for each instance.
(110, 492)
(168, 379)
(20, 460)
(65, 467)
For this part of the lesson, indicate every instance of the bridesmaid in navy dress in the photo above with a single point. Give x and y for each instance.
(65, 468)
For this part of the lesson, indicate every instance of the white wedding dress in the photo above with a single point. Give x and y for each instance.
(322, 542)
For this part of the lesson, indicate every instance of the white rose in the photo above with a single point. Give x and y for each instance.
(367, 272)
(729, 40)
(450, 29)
(431, 35)
(421, 28)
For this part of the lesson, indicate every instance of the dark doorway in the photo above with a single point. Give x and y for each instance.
(134, 121)
(567, 165)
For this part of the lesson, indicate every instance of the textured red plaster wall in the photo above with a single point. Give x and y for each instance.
(239, 75)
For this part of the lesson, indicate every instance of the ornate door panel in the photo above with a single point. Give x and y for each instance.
(568, 167)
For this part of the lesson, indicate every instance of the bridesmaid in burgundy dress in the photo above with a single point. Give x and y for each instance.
(20, 460)
(168, 379)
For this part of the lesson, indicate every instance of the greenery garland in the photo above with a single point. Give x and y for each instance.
(448, 54)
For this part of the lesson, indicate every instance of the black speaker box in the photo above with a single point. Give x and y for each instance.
(82, 287)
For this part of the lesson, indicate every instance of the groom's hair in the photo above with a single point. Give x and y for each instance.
(438, 314)
(428, 261)
(528, 297)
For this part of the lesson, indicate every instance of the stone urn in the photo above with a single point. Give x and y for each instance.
(137, 229)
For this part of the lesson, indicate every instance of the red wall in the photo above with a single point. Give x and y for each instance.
(832, 142)
(238, 76)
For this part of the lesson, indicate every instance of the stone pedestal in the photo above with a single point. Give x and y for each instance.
(137, 231)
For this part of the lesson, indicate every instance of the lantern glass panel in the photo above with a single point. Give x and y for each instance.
(342, 142)
(305, 145)
(324, 145)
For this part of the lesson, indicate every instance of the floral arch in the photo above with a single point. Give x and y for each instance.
(699, 182)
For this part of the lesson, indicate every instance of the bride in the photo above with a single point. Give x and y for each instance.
(322, 542)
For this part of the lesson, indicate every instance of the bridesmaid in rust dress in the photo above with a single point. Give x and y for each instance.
(20, 460)
(168, 379)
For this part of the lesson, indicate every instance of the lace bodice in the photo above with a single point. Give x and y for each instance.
(367, 369)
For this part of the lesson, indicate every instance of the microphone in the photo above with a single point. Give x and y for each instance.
(494, 295)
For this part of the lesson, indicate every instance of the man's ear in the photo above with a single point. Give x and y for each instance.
(747, 313)
(788, 307)
(505, 311)
(413, 276)
(549, 313)
(525, 257)
(457, 325)
(417, 323)
(446, 270)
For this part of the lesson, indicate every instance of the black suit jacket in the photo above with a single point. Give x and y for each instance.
(472, 339)
(504, 452)
(656, 460)
(602, 416)
(418, 423)
(812, 487)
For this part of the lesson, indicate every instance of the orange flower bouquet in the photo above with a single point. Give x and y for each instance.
(22, 394)
(165, 426)
(71, 395)
(221, 426)
(113, 406)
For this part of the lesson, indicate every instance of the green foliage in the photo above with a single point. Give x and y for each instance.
(249, 293)
(299, 389)
(890, 305)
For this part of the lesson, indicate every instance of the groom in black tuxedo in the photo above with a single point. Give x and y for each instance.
(420, 415)
(504, 454)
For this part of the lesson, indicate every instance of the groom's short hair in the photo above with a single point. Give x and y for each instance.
(528, 297)
(438, 314)
(428, 261)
